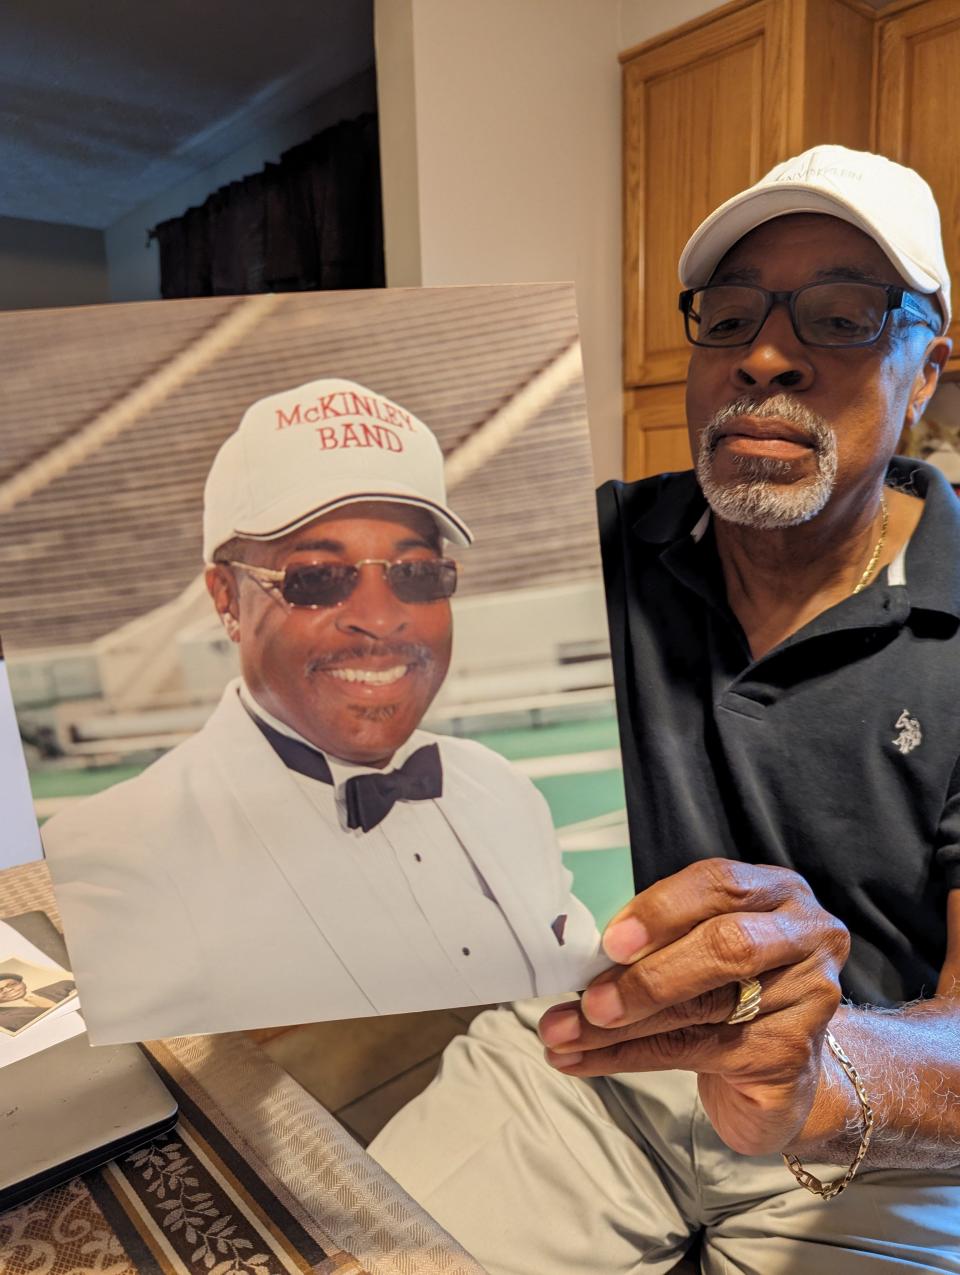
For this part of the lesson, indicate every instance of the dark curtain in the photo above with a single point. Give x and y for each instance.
(311, 221)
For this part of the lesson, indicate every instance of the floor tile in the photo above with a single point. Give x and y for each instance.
(340, 1062)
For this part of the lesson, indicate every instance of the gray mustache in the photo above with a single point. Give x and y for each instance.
(782, 407)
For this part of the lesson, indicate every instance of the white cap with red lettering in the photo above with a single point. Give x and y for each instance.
(312, 449)
(887, 201)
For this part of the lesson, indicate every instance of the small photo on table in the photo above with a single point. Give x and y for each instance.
(29, 993)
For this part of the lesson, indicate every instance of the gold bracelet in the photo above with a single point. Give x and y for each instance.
(827, 1190)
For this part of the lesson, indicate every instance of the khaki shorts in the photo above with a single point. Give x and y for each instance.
(537, 1173)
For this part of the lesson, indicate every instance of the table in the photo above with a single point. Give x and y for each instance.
(299, 1194)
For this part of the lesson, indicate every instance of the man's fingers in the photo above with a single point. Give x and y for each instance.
(672, 907)
(564, 1029)
(763, 1051)
(719, 951)
(701, 1048)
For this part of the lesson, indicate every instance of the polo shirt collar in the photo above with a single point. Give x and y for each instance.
(932, 560)
(675, 511)
(932, 564)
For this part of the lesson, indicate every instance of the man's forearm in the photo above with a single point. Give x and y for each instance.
(909, 1061)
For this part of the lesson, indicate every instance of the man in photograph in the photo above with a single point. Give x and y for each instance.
(311, 836)
(772, 1069)
(19, 1007)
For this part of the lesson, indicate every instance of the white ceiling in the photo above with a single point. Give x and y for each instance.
(105, 103)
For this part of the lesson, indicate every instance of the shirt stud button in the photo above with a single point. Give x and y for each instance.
(465, 951)
(418, 857)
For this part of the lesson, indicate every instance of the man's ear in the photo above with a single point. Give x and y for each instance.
(927, 379)
(221, 584)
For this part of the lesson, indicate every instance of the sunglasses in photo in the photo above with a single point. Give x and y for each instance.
(328, 584)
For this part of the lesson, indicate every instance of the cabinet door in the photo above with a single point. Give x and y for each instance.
(655, 436)
(704, 117)
(918, 111)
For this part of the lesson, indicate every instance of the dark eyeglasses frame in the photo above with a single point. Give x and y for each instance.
(272, 581)
(897, 299)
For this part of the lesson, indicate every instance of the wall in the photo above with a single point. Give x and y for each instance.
(514, 175)
(134, 266)
(46, 264)
(396, 94)
(642, 19)
(502, 162)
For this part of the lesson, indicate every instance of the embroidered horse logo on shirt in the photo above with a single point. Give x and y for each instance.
(910, 735)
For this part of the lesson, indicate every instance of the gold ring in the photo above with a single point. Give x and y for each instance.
(748, 1001)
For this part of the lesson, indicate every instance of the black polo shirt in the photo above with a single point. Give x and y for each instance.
(835, 754)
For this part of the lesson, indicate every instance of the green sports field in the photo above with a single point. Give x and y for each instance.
(582, 800)
(574, 764)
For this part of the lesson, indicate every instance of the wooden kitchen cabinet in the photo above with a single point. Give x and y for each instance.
(655, 432)
(708, 109)
(700, 123)
(918, 112)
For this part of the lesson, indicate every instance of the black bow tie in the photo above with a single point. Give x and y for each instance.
(370, 798)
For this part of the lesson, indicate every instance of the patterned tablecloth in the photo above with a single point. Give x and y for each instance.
(256, 1179)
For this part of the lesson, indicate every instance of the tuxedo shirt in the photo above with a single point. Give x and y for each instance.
(471, 949)
(219, 891)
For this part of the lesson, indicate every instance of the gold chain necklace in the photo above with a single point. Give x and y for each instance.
(878, 549)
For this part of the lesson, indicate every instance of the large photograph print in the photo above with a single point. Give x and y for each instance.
(19, 835)
(306, 633)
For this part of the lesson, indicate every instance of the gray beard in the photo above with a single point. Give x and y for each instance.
(760, 497)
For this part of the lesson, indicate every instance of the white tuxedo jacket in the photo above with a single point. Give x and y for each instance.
(193, 900)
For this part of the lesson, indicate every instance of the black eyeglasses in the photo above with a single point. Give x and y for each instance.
(328, 584)
(829, 315)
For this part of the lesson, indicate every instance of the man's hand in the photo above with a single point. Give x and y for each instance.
(682, 946)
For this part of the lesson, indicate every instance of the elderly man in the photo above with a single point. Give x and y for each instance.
(311, 853)
(786, 629)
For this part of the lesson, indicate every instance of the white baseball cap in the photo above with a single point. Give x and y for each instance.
(890, 203)
(315, 448)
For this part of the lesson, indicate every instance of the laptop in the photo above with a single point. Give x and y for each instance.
(72, 1107)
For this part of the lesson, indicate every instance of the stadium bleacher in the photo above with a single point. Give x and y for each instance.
(118, 534)
(101, 610)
